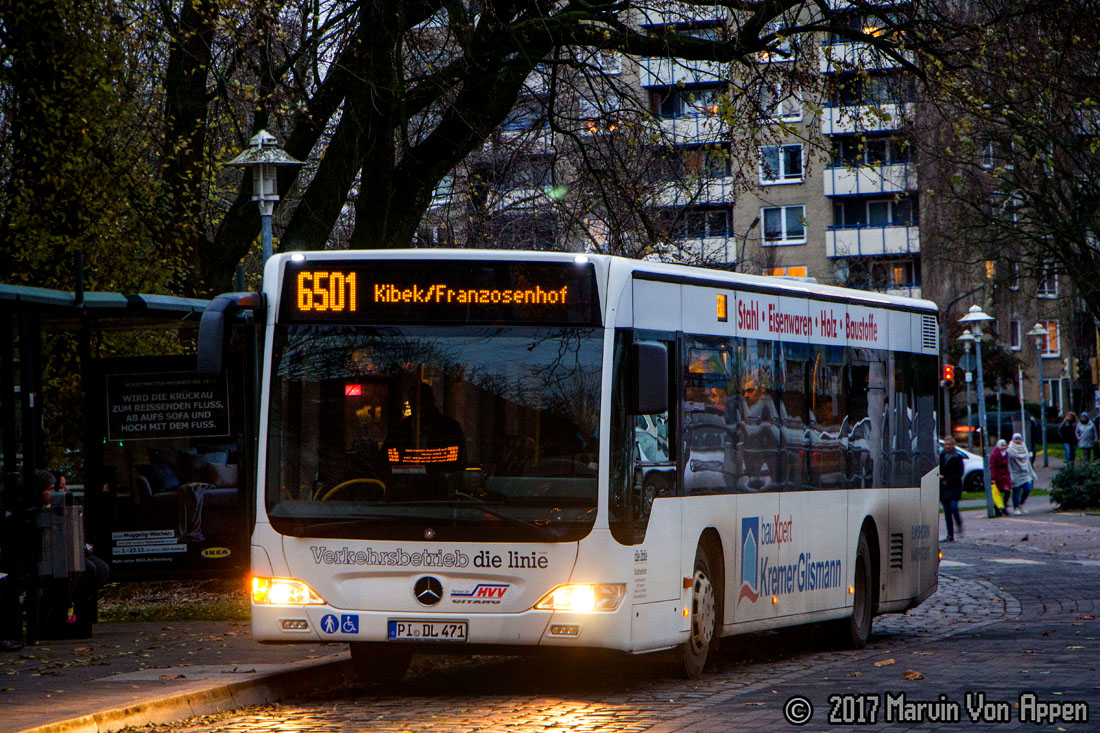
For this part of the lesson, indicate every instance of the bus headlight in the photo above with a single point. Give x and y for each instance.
(583, 598)
(283, 592)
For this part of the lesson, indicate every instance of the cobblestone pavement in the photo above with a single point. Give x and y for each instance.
(1005, 623)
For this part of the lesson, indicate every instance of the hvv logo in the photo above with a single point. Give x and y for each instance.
(750, 575)
(482, 593)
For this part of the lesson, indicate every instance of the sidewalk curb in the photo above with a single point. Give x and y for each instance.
(215, 697)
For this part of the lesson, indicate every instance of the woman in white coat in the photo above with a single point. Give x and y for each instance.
(1021, 472)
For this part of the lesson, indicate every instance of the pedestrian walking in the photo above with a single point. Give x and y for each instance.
(1020, 472)
(1067, 431)
(998, 473)
(951, 481)
(1086, 437)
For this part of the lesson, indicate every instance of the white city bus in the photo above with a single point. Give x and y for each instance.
(483, 451)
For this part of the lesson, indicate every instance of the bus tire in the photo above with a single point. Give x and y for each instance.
(856, 629)
(702, 632)
(379, 662)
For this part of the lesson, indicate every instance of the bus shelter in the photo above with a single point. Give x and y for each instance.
(161, 495)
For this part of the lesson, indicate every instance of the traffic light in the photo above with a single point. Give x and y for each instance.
(948, 375)
(1069, 367)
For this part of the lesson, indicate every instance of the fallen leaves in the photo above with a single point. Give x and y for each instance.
(912, 674)
(886, 662)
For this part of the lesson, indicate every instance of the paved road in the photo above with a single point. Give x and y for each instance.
(1011, 636)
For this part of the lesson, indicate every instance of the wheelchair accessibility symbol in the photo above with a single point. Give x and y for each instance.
(348, 623)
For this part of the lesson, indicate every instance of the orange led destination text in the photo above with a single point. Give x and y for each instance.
(446, 454)
(442, 293)
(322, 291)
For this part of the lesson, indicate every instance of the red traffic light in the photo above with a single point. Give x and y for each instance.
(948, 374)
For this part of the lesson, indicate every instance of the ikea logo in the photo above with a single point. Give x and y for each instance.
(215, 553)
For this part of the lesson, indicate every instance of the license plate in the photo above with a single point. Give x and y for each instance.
(415, 630)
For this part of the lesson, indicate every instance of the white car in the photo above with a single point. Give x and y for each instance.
(972, 469)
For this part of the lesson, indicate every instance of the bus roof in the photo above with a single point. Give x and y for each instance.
(624, 265)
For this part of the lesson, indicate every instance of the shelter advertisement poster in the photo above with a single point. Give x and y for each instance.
(175, 490)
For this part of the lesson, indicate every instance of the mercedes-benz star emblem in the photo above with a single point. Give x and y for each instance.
(429, 534)
(428, 591)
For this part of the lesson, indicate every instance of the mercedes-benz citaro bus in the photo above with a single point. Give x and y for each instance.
(478, 451)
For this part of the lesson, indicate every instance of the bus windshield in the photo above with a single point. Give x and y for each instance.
(462, 433)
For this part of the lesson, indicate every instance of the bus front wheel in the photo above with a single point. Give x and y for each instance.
(379, 662)
(856, 629)
(701, 636)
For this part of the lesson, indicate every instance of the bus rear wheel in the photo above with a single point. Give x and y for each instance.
(379, 662)
(702, 634)
(854, 631)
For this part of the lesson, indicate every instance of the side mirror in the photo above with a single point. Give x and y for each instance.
(213, 335)
(649, 378)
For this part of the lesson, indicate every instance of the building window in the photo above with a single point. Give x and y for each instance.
(781, 164)
(1052, 392)
(1051, 344)
(894, 274)
(675, 163)
(696, 223)
(607, 62)
(444, 190)
(1014, 335)
(702, 223)
(1014, 276)
(986, 157)
(784, 225)
(779, 105)
(1047, 286)
(529, 113)
(856, 150)
(708, 161)
(799, 271)
(672, 102)
(861, 88)
(781, 47)
(850, 213)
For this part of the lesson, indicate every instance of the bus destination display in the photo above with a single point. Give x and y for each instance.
(454, 291)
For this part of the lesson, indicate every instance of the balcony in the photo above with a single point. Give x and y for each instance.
(695, 250)
(694, 129)
(676, 13)
(837, 120)
(695, 193)
(848, 56)
(892, 239)
(909, 290)
(889, 178)
(904, 291)
(667, 72)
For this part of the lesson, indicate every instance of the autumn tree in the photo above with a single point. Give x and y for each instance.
(1012, 147)
(117, 117)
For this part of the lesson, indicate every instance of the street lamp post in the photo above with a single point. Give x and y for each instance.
(967, 338)
(1040, 333)
(263, 157)
(976, 318)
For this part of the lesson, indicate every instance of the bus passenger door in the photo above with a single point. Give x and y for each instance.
(654, 515)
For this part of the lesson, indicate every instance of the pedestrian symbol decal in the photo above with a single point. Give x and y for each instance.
(349, 623)
(329, 624)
